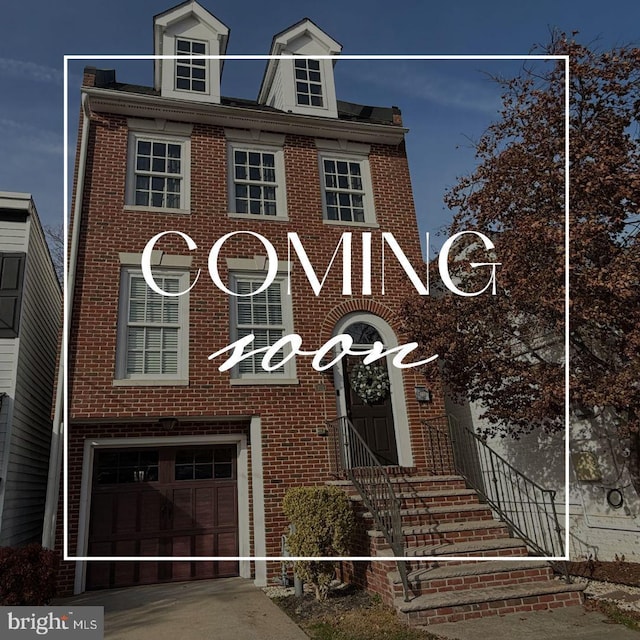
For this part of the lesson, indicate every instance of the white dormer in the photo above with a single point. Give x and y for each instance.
(301, 85)
(190, 30)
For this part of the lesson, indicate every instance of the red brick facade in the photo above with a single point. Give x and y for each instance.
(293, 452)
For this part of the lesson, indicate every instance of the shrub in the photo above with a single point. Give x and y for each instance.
(27, 575)
(323, 526)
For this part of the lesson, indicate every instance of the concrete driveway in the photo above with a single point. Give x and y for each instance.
(223, 609)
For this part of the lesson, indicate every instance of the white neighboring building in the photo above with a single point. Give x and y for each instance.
(30, 315)
(604, 507)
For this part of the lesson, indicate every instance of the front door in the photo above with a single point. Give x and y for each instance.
(369, 407)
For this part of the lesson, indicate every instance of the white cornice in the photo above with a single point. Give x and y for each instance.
(146, 106)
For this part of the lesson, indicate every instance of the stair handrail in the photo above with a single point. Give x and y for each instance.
(352, 458)
(533, 516)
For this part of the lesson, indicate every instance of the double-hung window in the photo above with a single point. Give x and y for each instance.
(153, 328)
(308, 82)
(346, 184)
(256, 174)
(158, 165)
(267, 316)
(191, 72)
(254, 182)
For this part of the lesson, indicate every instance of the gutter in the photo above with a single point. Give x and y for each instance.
(57, 434)
(142, 105)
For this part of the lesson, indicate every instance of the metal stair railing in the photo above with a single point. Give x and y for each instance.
(350, 457)
(527, 508)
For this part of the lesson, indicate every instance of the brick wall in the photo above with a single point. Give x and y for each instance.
(293, 453)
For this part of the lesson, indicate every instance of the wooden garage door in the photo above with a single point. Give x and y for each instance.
(163, 502)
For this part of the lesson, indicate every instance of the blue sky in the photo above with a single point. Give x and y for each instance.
(445, 104)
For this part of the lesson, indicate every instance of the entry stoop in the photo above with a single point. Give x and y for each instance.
(441, 517)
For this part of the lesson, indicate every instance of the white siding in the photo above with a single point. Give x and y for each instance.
(13, 236)
(25, 480)
(595, 529)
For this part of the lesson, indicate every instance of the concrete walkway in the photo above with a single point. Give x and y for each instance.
(570, 623)
(223, 609)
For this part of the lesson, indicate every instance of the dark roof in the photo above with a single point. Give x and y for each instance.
(106, 79)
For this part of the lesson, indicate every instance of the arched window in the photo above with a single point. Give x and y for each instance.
(363, 333)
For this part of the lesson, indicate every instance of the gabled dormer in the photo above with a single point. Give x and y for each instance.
(190, 30)
(305, 84)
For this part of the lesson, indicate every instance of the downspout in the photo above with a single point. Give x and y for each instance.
(57, 434)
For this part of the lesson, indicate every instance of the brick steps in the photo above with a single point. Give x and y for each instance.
(447, 533)
(435, 515)
(471, 575)
(452, 606)
(441, 533)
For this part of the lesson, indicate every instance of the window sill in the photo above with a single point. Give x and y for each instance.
(260, 217)
(256, 382)
(346, 223)
(150, 382)
(137, 208)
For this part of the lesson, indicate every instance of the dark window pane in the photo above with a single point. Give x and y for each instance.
(314, 64)
(184, 472)
(182, 83)
(198, 47)
(198, 85)
(144, 147)
(203, 471)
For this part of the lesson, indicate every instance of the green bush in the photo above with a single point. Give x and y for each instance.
(27, 575)
(323, 524)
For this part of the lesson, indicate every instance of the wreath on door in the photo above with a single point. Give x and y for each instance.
(370, 382)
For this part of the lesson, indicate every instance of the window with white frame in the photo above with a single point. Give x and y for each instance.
(265, 315)
(308, 82)
(256, 174)
(153, 329)
(191, 72)
(255, 185)
(158, 171)
(347, 188)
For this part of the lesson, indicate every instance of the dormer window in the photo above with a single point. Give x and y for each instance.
(191, 73)
(301, 80)
(308, 82)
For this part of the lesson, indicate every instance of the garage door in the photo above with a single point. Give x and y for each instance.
(163, 502)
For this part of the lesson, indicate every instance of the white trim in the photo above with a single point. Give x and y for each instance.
(257, 485)
(181, 377)
(160, 125)
(158, 259)
(254, 136)
(343, 146)
(397, 391)
(91, 444)
(185, 170)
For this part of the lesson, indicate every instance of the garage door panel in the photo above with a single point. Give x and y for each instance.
(126, 513)
(227, 511)
(227, 543)
(182, 503)
(151, 503)
(204, 507)
(102, 513)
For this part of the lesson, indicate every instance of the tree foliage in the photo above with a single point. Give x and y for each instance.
(323, 525)
(507, 351)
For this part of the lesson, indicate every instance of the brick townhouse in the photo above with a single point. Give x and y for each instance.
(168, 456)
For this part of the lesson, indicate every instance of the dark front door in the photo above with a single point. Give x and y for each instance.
(172, 502)
(371, 416)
